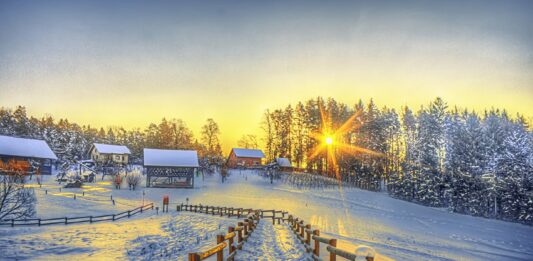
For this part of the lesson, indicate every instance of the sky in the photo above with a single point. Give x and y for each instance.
(129, 63)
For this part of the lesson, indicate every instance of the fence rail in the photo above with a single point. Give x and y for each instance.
(242, 231)
(303, 232)
(74, 220)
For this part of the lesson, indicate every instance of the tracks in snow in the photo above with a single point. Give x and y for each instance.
(272, 242)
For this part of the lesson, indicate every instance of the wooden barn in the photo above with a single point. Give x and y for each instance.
(108, 154)
(244, 158)
(19, 153)
(170, 168)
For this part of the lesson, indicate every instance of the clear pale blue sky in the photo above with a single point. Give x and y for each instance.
(129, 63)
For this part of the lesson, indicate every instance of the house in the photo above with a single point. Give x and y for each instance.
(20, 153)
(244, 158)
(284, 164)
(170, 168)
(104, 154)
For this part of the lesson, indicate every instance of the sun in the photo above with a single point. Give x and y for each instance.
(331, 142)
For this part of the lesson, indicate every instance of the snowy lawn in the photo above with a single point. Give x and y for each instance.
(395, 228)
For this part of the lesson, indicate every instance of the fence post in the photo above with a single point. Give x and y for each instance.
(113, 217)
(91, 219)
(39, 222)
(12, 222)
(317, 243)
(333, 243)
(245, 227)
(302, 229)
(252, 224)
(194, 257)
(129, 215)
(308, 240)
(66, 220)
(230, 240)
(220, 254)
(239, 233)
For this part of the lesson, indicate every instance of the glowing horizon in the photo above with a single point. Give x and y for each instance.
(110, 64)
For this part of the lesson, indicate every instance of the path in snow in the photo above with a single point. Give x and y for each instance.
(272, 242)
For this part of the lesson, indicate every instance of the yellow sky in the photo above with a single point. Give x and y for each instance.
(109, 64)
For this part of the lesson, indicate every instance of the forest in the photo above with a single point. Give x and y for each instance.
(473, 163)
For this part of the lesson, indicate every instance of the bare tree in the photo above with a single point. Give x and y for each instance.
(16, 201)
(269, 135)
(133, 179)
(248, 142)
(209, 137)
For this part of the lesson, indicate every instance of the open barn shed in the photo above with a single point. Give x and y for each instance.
(170, 168)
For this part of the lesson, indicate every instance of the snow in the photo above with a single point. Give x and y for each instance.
(170, 158)
(395, 229)
(248, 153)
(277, 242)
(28, 148)
(111, 149)
(283, 162)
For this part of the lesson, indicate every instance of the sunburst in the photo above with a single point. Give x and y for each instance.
(331, 141)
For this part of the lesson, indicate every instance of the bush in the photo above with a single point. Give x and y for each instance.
(134, 179)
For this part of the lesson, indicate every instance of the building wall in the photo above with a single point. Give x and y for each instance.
(23, 164)
(103, 158)
(234, 161)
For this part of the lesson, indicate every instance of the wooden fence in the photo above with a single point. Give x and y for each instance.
(74, 220)
(303, 232)
(242, 231)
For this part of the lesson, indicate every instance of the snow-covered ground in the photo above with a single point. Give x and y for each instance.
(395, 228)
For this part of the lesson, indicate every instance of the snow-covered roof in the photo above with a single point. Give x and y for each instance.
(27, 148)
(111, 149)
(248, 153)
(170, 158)
(283, 162)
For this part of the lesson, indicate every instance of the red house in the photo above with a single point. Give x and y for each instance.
(244, 158)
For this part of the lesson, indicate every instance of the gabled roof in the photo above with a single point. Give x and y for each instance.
(111, 149)
(248, 153)
(27, 148)
(283, 162)
(170, 158)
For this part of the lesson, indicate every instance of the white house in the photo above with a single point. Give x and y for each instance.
(108, 153)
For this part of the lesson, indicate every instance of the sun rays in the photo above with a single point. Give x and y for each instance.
(333, 141)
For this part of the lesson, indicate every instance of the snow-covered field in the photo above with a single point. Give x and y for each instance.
(396, 229)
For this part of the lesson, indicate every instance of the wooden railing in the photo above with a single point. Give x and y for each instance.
(74, 220)
(242, 231)
(303, 232)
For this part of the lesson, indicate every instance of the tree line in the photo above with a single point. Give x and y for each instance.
(71, 141)
(473, 163)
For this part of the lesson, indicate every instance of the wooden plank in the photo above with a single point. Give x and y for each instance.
(320, 239)
(213, 250)
(342, 253)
